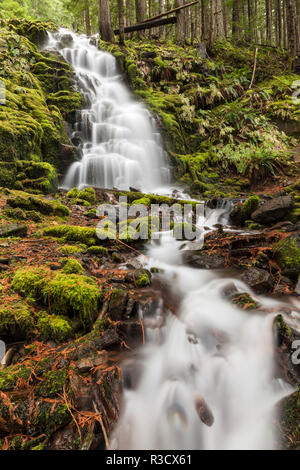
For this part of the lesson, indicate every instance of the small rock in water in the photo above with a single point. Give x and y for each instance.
(204, 411)
(177, 416)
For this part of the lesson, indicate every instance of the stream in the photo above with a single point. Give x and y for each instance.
(207, 374)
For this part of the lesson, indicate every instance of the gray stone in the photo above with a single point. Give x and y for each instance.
(273, 210)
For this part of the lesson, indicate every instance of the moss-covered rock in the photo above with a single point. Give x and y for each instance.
(29, 202)
(72, 233)
(16, 322)
(287, 253)
(52, 384)
(64, 294)
(72, 266)
(53, 328)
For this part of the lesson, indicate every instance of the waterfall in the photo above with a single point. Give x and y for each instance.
(119, 143)
(205, 378)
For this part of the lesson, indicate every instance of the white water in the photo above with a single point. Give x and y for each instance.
(120, 146)
(212, 352)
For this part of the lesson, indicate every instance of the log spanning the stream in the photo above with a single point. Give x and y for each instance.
(169, 12)
(152, 24)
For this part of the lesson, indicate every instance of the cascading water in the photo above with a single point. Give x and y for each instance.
(120, 145)
(207, 374)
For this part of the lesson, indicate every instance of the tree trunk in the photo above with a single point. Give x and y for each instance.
(236, 29)
(140, 10)
(105, 28)
(203, 20)
(180, 25)
(278, 23)
(269, 21)
(87, 18)
(121, 22)
(291, 29)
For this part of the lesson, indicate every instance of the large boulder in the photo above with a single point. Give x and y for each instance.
(287, 254)
(273, 210)
(258, 279)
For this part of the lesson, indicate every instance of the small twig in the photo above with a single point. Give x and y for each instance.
(69, 409)
(254, 68)
(102, 426)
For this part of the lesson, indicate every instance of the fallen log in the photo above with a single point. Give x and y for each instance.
(153, 24)
(169, 12)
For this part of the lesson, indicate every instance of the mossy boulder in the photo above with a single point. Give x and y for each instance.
(242, 211)
(72, 266)
(65, 294)
(16, 322)
(29, 202)
(73, 233)
(287, 254)
(52, 384)
(53, 328)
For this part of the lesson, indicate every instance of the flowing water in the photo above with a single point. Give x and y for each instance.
(207, 373)
(120, 145)
(213, 357)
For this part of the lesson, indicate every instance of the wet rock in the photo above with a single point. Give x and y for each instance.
(65, 41)
(13, 230)
(87, 363)
(258, 279)
(204, 412)
(131, 332)
(117, 304)
(203, 260)
(273, 210)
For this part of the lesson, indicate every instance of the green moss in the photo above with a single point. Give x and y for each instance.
(97, 250)
(72, 266)
(145, 201)
(71, 249)
(53, 328)
(53, 383)
(16, 322)
(88, 194)
(242, 212)
(50, 417)
(287, 253)
(66, 101)
(65, 294)
(143, 278)
(73, 193)
(10, 376)
(29, 202)
(73, 233)
(244, 301)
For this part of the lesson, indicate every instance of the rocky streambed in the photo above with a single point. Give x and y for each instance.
(75, 309)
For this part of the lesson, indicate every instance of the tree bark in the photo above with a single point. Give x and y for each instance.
(87, 18)
(105, 28)
(278, 22)
(180, 25)
(236, 29)
(291, 29)
(269, 21)
(121, 22)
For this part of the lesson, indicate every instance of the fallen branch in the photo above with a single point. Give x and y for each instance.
(254, 68)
